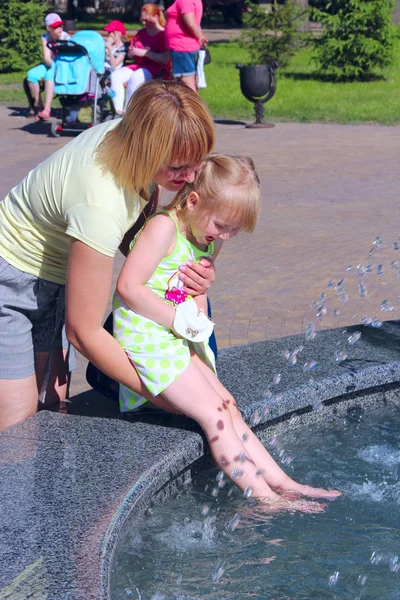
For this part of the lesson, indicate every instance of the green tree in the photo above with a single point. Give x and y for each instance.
(357, 37)
(21, 25)
(275, 33)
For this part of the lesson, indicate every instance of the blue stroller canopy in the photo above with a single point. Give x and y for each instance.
(74, 64)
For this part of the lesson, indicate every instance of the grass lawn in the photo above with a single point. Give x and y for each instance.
(300, 95)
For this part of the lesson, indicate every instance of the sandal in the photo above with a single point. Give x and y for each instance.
(43, 114)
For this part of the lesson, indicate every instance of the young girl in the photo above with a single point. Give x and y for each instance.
(165, 333)
(115, 45)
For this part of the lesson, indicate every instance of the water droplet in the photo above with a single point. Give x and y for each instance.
(395, 246)
(286, 354)
(234, 522)
(386, 306)
(128, 592)
(218, 573)
(214, 492)
(339, 285)
(310, 365)
(362, 290)
(276, 379)
(379, 270)
(245, 437)
(179, 579)
(242, 457)
(274, 442)
(340, 356)
(353, 339)
(362, 579)
(330, 284)
(248, 492)
(255, 418)
(366, 320)
(376, 323)
(394, 264)
(394, 565)
(334, 578)
(205, 509)
(349, 268)
(221, 479)
(292, 359)
(343, 297)
(310, 331)
(335, 312)
(321, 311)
(236, 474)
(376, 558)
(259, 473)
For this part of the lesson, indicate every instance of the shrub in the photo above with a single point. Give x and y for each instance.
(21, 25)
(357, 37)
(274, 34)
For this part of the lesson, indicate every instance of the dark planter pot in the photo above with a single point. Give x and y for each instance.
(258, 84)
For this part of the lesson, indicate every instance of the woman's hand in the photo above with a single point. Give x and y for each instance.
(197, 277)
(137, 52)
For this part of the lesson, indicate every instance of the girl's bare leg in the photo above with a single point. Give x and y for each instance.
(35, 91)
(272, 472)
(193, 394)
(190, 81)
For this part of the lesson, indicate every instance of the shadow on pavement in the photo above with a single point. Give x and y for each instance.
(229, 122)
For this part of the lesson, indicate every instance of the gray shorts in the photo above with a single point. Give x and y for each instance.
(32, 319)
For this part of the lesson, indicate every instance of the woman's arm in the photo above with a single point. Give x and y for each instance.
(47, 56)
(88, 290)
(158, 57)
(156, 241)
(193, 28)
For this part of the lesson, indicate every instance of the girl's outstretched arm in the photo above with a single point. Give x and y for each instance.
(155, 241)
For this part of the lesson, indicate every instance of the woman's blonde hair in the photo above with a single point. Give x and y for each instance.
(227, 185)
(166, 123)
(153, 10)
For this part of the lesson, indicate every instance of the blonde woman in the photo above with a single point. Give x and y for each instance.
(150, 53)
(74, 210)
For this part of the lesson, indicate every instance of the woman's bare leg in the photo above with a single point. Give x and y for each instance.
(48, 94)
(190, 81)
(18, 400)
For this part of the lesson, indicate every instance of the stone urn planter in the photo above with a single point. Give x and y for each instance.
(258, 84)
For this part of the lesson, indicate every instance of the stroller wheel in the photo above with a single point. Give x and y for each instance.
(56, 129)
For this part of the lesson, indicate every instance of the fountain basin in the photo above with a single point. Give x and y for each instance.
(68, 482)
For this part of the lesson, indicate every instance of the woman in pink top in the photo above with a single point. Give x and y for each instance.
(151, 54)
(185, 38)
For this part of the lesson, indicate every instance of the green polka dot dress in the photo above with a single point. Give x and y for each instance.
(158, 356)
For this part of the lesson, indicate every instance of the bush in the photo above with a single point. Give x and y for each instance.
(21, 25)
(274, 34)
(357, 37)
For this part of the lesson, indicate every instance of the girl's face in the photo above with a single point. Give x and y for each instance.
(55, 33)
(206, 227)
(173, 177)
(147, 20)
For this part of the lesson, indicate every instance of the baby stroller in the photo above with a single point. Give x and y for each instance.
(80, 82)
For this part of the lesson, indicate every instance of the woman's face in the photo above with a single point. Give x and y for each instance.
(173, 177)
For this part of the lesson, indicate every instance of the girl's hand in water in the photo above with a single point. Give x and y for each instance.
(197, 277)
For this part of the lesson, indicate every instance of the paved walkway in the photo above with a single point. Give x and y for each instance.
(328, 191)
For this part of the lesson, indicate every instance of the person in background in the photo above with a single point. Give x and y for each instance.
(54, 32)
(149, 50)
(185, 38)
(115, 45)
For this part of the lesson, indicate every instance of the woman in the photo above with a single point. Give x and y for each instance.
(149, 50)
(54, 33)
(75, 209)
(115, 45)
(185, 38)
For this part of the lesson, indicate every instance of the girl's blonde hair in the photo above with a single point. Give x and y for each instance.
(152, 10)
(166, 123)
(227, 185)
